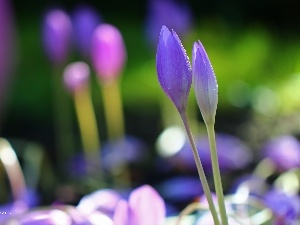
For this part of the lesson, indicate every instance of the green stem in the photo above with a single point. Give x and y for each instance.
(200, 170)
(216, 172)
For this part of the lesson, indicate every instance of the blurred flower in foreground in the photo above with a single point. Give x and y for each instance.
(6, 49)
(108, 52)
(62, 214)
(286, 208)
(284, 152)
(173, 68)
(56, 34)
(85, 20)
(205, 83)
(144, 207)
(172, 14)
(102, 201)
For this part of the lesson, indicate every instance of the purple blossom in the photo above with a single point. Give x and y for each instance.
(285, 208)
(56, 34)
(108, 52)
(205, 83)
(103, 201)
(85, 20)
(284, 152)
(144, 207)
(173, 14)
(76, 76)
(173, 68)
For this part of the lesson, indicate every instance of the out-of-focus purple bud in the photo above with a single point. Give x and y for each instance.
(284, 152)
(104, 201)
(85, 20)
(175, 15)
(205, 83)
(76, 76)
(108, 52)
(144, 202)
(173, 68)
(56, 34)
(285, 208)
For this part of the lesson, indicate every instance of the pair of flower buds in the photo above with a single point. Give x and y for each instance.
(175, 74)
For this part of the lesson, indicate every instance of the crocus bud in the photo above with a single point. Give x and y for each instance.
(205, 83)
(56, 36)
(85, 20)
(108, 52)
(76, 76)
(173, 68)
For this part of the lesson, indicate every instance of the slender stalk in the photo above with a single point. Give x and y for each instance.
(87, 122)
(113, 109)
(216, 173)
(200, 170)
(62, 119)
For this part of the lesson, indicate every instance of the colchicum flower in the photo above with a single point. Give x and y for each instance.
(57, 30)
(173, 68)
(108, 52)
(85, 20)
(144, 207)
(76, 76)
(205, 83)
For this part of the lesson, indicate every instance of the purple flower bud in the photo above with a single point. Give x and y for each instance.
(76, 76)
(85, 20)
(56, 35)
(108, 52)
(173, 68)
(284, 152)
(205, 83)
(173, 14)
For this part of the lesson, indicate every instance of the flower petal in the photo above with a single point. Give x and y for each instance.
(121, 216)
(173, 68)
(147, 207)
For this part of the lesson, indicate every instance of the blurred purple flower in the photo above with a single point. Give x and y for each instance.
(284, 152)
(232, 153)
(85, 20)
(122, 151)
(173, 68)
(104, 201)
(63, 214)
(6, 49)
(108, 53)
(171, 13)
(205, 83)
(285, 208)
(180, 189)
(76, 76)
(56, 35)
(144, 207)
(12, 209)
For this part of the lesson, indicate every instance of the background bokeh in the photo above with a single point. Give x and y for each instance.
(254, 47)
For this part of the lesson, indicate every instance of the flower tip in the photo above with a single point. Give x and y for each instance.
(76, 76)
